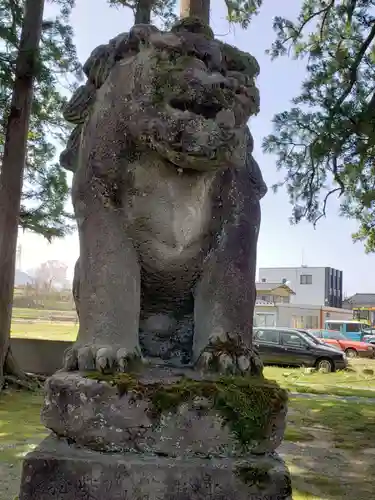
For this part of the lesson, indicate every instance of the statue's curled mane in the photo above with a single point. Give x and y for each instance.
(102, 60)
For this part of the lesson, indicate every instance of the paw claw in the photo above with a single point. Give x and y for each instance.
(100, 358)
(204, 360)
(104, 359)
(243, 363)
(227, 363)
(70, 359)
(122, 359)
(86, 360)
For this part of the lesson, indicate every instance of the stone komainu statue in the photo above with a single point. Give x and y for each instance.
(166, 196)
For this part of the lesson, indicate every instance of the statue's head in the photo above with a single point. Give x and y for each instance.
(181, 93)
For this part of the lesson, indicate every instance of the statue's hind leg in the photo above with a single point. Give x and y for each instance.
(109, 291)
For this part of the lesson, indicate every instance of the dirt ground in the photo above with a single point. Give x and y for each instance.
(328, 473)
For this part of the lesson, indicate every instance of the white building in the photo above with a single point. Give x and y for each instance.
(316, 286)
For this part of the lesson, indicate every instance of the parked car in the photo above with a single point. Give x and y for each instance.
(334, 344)
(352, 348)
(291, 347)
(370, 339)
(369, 335)
(351, 329)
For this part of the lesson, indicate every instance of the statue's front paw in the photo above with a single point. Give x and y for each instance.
(225, 358)
(102, 358)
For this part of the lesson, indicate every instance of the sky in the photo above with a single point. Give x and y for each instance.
(280, 244)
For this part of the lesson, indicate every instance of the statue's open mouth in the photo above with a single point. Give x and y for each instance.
(207, 110)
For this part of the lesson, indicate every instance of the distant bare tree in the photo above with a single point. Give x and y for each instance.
(51, 274)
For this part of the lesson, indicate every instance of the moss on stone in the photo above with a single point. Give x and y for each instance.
(165, 84)
(254, 474)
(237, 60)
(246, 404)
(193, 25)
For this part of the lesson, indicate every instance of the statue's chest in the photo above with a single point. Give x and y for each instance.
(173, 206)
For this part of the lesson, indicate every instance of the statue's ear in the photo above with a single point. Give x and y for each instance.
(256, 177)
(252, 166)
(77, 108)
(99, 64)
(69, 157)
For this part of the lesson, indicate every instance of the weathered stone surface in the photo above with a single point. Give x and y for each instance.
(95, 415)
(58, 471)
(166, 195)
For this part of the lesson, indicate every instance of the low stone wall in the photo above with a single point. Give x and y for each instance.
(42, 357)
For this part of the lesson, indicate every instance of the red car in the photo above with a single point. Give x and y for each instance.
(351, 348)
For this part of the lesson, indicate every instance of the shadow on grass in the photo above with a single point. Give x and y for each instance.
(335, 465)
(307, 485)
(352, 424)
(20, 427)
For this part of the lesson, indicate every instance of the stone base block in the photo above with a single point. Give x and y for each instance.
(57, 470)
(167, 411)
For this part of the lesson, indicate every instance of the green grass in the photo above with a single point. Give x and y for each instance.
(45, 331)
(42, 314)
(298, 495)
(297, 435)
(351, 427)
(334, 434)
(342, 383)
(20, 427)
(20, 432)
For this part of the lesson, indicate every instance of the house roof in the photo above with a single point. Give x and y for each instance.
(262, 286)
(361, 299)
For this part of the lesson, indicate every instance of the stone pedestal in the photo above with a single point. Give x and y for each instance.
(164, 434)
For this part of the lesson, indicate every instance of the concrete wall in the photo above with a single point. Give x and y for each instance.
(295, 316)
(43, 357)
(337, 313)
(308, 316)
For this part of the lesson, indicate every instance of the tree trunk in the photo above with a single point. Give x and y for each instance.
(12, 169)
(143, 12)
(196, 8)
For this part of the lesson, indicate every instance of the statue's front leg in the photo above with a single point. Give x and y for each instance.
(108, 274)
(225, 299)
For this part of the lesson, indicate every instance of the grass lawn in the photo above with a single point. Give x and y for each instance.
(344, 383)
(327, 441)
(326, 444)
(40, 314)
(358, 381)
(20, 432)
(328, 447)
(45, 331)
